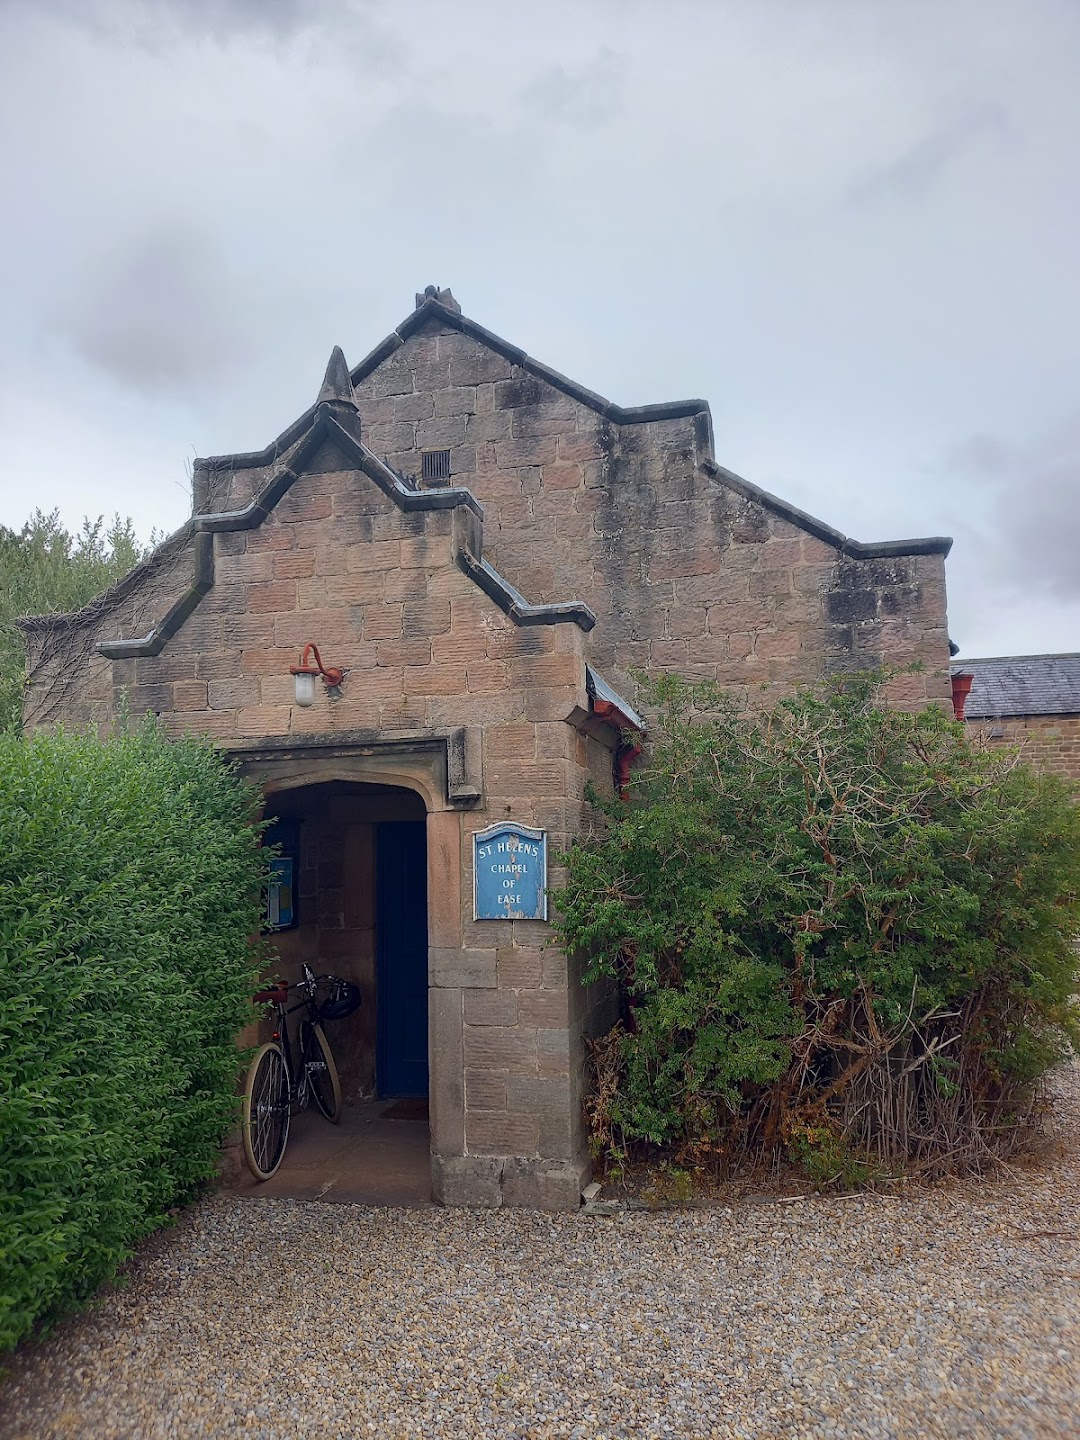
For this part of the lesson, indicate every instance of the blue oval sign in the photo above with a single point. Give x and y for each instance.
(510, 873)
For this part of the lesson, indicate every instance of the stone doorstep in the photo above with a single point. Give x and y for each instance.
(367, 1160)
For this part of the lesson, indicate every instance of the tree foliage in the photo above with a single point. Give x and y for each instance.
(130, 875)
(839, 928)
(45, 569)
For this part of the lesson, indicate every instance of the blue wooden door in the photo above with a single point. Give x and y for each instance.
(401, 949)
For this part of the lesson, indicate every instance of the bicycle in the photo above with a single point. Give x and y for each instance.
(275, 1085)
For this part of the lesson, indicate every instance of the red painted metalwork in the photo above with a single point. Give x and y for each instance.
(628, 750)
(961, 689)
(625, 756)
(274, 995)
(330, 674)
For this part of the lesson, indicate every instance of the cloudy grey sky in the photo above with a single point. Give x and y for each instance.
(852, 225)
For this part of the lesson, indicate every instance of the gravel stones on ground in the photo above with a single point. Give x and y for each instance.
(952, 1312)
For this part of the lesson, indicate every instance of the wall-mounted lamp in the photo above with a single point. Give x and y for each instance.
(305, 673)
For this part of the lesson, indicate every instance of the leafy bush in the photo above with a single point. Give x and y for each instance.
(45, 568)
(130, 872)
(840, 929)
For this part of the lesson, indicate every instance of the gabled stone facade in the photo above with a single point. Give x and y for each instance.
(487, 623)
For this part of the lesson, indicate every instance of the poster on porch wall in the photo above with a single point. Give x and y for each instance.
(280, 913)
(510, 873)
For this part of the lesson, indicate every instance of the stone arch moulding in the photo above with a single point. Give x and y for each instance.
(442, 767)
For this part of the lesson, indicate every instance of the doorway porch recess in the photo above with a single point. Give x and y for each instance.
(360, 862)
(401, 959)
(356, 855)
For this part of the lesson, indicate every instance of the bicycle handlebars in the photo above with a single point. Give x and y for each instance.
(278, 994)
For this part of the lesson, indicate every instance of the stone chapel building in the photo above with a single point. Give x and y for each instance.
(486, 550)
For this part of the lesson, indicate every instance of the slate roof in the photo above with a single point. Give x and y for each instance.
(1021, 685)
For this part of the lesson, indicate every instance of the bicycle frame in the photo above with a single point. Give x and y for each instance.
(298, 1083)
(281, 1080)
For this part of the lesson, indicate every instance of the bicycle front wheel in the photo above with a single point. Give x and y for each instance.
(323, 1080)
(265, 1121)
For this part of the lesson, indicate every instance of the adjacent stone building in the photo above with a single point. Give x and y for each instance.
(486, 550)
(1032, 701)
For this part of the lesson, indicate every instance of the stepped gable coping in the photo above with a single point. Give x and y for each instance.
(855, 549)
(430, 307)
(163, 554)
(334, 394)
(511, 602)
(328, 425)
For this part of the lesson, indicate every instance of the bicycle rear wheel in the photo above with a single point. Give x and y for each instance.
(265, 1123)
(322, 1073)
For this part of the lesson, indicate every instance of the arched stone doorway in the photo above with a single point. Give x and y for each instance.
(356, 818)
(359, 865)
(346, 788)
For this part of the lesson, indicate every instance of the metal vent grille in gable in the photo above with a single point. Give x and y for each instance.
(436, 465)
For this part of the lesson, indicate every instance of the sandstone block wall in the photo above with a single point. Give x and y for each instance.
(685, 567)
(1049, 742)
(425, 651)
(683, 571)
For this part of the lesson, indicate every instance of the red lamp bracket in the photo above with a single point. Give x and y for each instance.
(307, 666)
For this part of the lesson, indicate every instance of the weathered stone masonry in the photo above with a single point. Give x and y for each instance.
(1028, 701)
(1049, 742)
(571, 534)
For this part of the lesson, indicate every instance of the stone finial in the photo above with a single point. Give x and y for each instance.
(337, 382)
(444, 297)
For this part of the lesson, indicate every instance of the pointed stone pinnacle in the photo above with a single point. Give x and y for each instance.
(337, 383)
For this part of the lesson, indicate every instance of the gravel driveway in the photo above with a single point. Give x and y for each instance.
(953, 1312)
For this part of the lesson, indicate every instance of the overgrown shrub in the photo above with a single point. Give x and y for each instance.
(842, 930)
(130, 872)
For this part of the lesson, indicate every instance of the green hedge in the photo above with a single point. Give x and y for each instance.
(130, 873)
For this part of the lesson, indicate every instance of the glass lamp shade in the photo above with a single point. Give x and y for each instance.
(305, 689)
